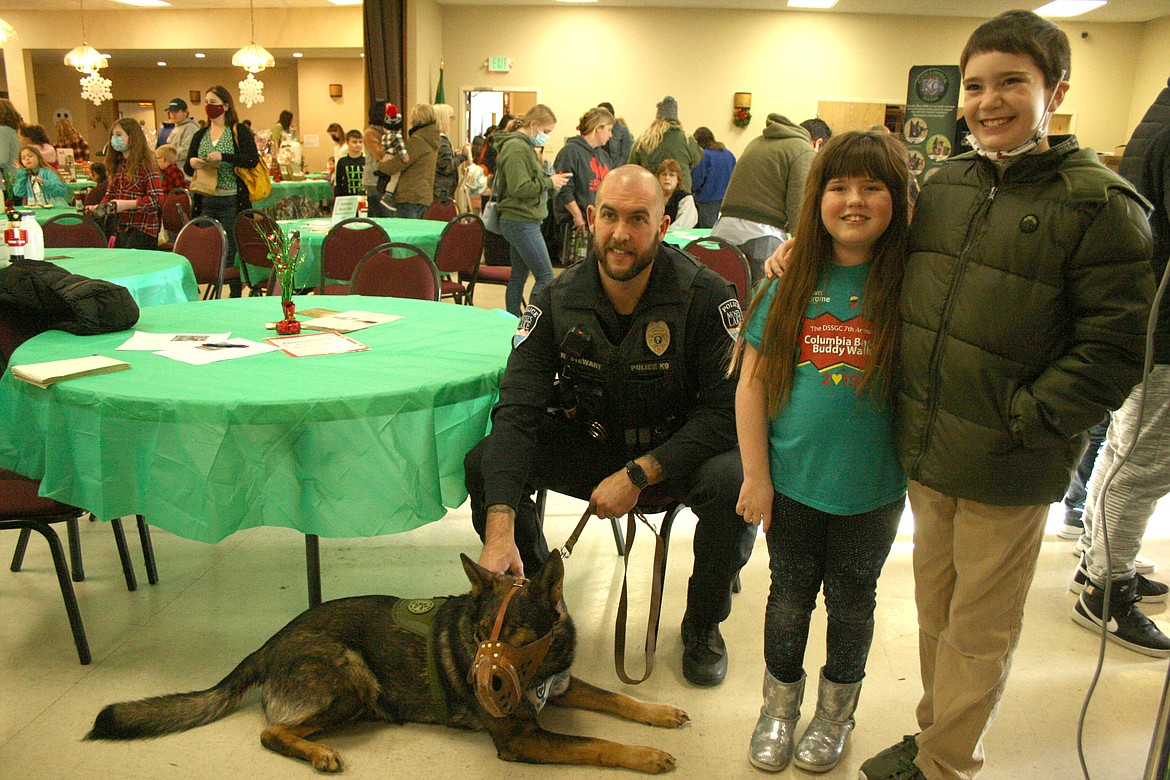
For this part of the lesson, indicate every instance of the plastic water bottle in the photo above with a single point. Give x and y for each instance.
(35, 247)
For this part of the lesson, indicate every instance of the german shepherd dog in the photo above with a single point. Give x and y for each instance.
(348, 660)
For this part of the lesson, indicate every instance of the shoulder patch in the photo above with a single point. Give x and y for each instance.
(732, 316)
(528, 321)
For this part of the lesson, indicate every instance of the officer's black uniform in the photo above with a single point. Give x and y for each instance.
(653, 381)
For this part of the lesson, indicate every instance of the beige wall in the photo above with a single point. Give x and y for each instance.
(787, 60)
(424, 36)
(316, 110)
(1153, 68)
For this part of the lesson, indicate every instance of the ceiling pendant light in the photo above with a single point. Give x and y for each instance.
(85, 58)
(253, 58)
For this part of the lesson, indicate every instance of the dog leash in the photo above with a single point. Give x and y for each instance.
(619, 633)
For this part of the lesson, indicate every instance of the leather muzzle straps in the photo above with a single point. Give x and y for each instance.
(502, 673)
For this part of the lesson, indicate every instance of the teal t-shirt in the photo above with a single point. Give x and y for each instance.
(830, 447)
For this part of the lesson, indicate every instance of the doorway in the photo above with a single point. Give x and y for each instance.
(141, 111)
(484, 107)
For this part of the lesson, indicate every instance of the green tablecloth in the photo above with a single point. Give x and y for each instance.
(80, 185)
(681, 238)
(350, 445)
(315, 190)
(153, 278)
(423, 233)
(44, 215)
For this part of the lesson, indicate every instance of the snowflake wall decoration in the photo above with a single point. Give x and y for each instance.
(96, 88)
(251, 91)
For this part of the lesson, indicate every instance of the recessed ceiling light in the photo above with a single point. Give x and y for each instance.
(161, 64)
(145, 3)
(1069, 7)
(811, 3)
(346, 2)
(297, 54)
(199, 55)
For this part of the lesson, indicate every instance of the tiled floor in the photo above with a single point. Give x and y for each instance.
(216, 603)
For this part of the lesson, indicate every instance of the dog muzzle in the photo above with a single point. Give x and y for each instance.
(501, 672)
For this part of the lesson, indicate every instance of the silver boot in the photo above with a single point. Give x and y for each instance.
(824, 740)
(775, 733)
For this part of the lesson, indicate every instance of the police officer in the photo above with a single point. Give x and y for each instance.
(617, 381)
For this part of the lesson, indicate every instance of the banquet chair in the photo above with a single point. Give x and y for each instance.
(443, 210)
(95, 194)
(250, 228)
(396, 270)
(73, 230)
(344, 245)
(728, 261)
(459, 252)
(176, 211)
(204, 243)
(496, 267)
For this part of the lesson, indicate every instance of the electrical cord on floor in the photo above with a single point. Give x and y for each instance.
(1099, 516)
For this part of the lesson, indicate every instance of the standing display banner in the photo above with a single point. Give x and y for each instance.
(932, 108)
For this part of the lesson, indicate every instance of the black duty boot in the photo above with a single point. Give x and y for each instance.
(704, 653)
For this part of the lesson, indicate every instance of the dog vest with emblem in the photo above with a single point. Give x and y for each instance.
(418, 617)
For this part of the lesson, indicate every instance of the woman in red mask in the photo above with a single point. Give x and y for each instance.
(224, 145)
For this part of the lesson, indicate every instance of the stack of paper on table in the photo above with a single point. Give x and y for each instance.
(45, 374)
(349, 321)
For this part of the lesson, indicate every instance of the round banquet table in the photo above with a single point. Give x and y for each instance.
(681, 238)
(316, 190)
(423, 233)
(153, 278)
(350, 445)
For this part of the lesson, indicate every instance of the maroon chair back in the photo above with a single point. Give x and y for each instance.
(73, 230)
(344, 246)
(250, 228)
(396, 270)
(460, 252)
(726, 260)
(443, 210)
(176, 210)
(204, 243)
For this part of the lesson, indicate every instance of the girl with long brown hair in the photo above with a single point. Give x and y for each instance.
(813, 414)
(135, 191)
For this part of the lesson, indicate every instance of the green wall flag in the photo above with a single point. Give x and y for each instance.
(440, 96)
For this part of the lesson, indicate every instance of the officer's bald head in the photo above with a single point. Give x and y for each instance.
(636, 182)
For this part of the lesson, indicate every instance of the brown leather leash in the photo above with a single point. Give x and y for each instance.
(619, 633)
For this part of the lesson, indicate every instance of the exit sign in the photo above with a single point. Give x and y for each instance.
(499, 64)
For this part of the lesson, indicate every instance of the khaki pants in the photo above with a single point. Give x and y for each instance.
(973, 564)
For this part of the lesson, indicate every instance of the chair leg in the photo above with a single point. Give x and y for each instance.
(18, 553)
(147, 551)
(74, 549)
(63, 580)
(124, 554)
(313, 565)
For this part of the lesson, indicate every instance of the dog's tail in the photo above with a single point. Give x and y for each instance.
(175, 712)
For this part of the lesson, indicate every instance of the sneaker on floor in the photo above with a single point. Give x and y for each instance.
(1150, 591)
(893, 763)
(1144, 566)
(1073, 526)
(1128, 626)
(704, 654)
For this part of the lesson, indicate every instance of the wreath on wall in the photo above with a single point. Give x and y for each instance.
(741, 117)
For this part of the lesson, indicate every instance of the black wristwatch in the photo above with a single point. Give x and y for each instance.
(637, 475)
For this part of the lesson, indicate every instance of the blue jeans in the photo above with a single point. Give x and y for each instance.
(529, 253)
(411, 211)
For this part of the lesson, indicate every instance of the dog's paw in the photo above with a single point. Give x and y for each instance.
(325, 759)
(666, 717)
(652, 761)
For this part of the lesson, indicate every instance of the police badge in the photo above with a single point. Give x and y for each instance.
(658, 337)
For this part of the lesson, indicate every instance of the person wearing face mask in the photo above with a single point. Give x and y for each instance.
(135, 191)
(340, 147)
(521, 188)
(224, 145)
(416, 185)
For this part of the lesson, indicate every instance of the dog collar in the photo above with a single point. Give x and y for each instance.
(502, 672)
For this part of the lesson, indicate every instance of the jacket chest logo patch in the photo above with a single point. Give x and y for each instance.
(658, 337)
(732, 316)
(1029, 224)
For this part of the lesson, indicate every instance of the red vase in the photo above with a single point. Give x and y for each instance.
(289, 325)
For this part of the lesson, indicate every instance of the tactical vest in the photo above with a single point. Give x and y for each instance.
(633, 394)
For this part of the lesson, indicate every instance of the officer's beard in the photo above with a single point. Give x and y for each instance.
(642, 260)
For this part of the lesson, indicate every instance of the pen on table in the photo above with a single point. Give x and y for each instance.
(220, 345)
